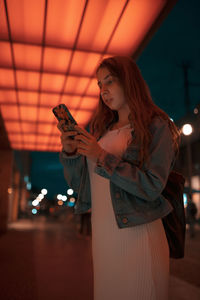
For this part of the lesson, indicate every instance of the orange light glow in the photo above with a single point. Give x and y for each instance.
(27, 80)
(52, 82)
(10, 112)
(28, 127)
(76, 85)
(5, 55)
(8, 96)
(12, 126)
(49, 51)
(27, 57)
(6, 78)
(61, 56)
(29, 98)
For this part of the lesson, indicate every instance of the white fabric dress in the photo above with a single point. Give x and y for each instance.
(130, 263)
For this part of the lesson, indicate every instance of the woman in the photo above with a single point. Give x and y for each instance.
(120, 170)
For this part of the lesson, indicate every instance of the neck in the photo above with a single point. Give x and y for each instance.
(123, 117)
(120, 123)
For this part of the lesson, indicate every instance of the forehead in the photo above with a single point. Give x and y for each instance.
(102, 73)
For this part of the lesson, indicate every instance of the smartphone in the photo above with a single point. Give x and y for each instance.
(61, 112)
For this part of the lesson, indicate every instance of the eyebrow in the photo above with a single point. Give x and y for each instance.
(98, 82)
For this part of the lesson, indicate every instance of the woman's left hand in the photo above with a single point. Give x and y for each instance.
(87, 144)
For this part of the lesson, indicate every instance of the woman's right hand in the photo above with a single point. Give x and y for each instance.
(69, 145)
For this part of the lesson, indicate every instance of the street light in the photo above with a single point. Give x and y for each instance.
(187, 131)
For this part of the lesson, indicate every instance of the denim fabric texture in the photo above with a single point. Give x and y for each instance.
(135, 192)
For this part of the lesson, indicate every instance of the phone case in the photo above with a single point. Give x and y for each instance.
(62, 113)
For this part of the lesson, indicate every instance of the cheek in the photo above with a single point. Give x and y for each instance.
(121, 94)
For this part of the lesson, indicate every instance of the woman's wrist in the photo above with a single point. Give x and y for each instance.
(100, 157)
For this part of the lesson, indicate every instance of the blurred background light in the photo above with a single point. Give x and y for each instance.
(185, 199)
(72, 200)
(59, 197)
(40, 196)
(70, 191)
(35, 202)
(187, 129)
(28, 186)
(60, 202)
(64, 198)
(34, 211)
(9, 190)
(44, 191)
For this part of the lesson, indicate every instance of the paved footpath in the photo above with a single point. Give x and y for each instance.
(185, 273)
(48, 260)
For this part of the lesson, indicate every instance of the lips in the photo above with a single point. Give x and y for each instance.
(108, 101)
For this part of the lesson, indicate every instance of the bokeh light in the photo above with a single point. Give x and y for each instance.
(64, 198)
(70, 191)
(34, 211)
(187, 129)
(40, 196)
(44, 191)
(35, 202)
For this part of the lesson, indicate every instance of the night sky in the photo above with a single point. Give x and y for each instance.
(177, 41)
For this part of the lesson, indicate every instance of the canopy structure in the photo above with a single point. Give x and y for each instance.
(49, 50)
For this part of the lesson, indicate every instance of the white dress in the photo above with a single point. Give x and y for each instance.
(130, 263)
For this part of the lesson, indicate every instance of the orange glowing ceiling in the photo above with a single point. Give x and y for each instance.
(49, 50)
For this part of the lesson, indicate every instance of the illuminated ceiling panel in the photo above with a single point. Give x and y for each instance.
(3, 22)
(44, 128)
(28, 113)
(52, 82)
(10, 112)
(8, 96)
(49, 51)
(15, 137)
(88, 62)
(26, 20)
(28, 127)
(76, 85)
(7, 78)
(12, 126)
(56, 60)
(27, 57)
(63, 21)
(29, 98)
(49, 99)
(100, 20)
(27, 80)
(45, 114)
(136, 10)
(5, 55)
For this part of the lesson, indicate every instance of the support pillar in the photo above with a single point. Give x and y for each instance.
(6, 161)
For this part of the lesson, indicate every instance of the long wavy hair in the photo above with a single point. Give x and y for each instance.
(142, 108)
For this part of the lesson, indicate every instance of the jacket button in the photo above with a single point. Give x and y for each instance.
(125, 220)
(117, 195)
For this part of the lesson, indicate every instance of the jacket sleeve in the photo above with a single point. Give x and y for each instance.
(73, 167)
(148, 182)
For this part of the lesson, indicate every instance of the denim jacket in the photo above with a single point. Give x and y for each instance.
(135, 192)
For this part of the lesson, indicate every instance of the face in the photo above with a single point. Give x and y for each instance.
(111, 91)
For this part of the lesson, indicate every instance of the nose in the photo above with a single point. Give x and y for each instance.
(104, 90)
